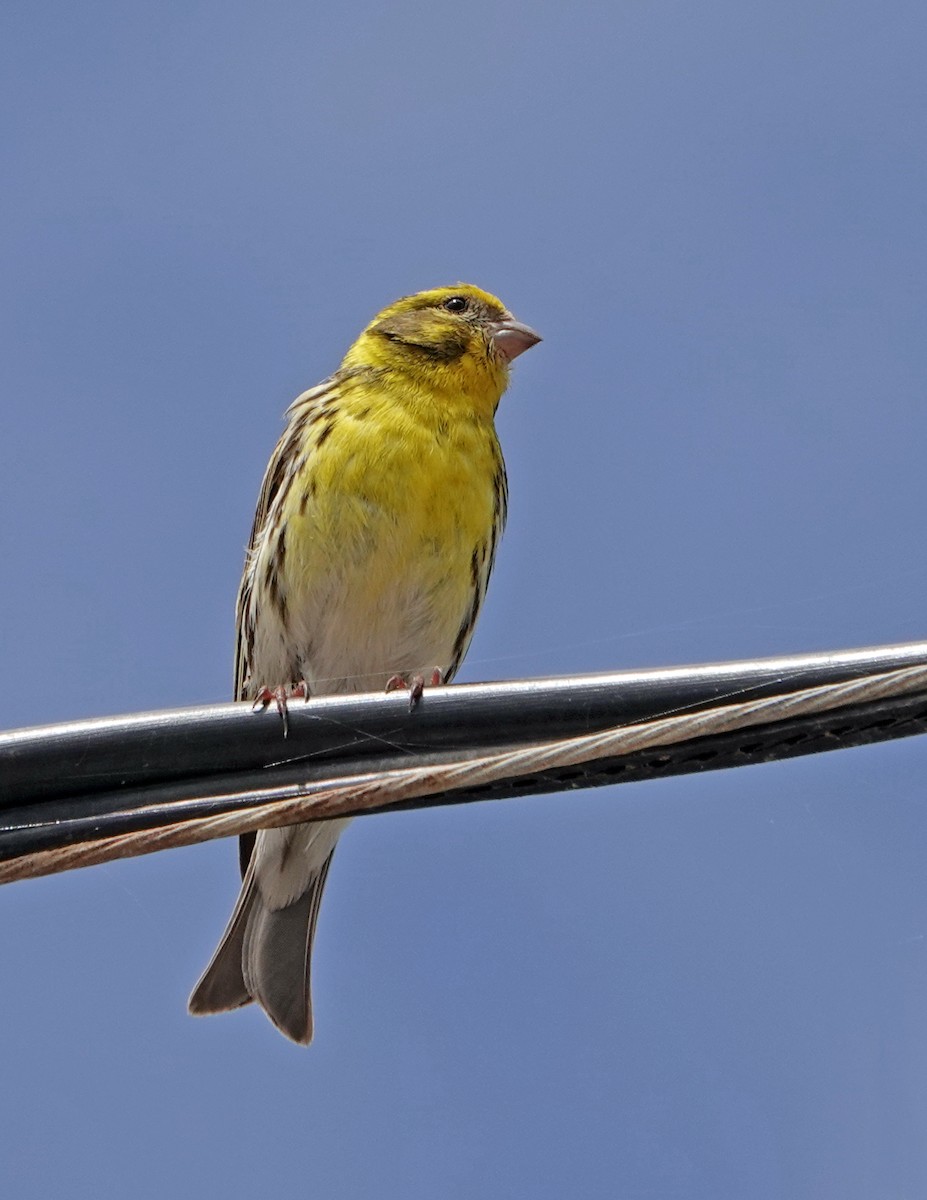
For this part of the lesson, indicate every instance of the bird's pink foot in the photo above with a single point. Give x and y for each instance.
(281, 695)
(415, 685)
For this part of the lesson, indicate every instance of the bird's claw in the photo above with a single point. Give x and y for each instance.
(281, 695)
(415, 685)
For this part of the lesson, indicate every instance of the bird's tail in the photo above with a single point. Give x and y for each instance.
(265, 952)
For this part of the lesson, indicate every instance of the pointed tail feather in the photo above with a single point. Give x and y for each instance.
(265, 955)
(222, 985)
(277, 958)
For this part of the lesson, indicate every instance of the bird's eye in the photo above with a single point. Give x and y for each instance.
(456, 304)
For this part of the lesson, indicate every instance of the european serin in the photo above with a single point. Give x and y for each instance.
(375, 533)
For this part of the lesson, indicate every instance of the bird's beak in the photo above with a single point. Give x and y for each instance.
(510, 338)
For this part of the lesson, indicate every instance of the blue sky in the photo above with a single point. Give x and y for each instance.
(703, 987)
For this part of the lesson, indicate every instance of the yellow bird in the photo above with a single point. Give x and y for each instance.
(375, 534)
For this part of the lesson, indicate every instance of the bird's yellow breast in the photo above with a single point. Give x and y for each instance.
(390, 526)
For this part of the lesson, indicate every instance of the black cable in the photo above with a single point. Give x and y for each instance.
(80, 781)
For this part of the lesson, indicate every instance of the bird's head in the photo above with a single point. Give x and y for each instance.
(452, 340)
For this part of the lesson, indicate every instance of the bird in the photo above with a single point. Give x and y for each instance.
(376, 530)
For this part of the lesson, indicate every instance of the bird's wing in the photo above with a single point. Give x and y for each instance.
(284, 455)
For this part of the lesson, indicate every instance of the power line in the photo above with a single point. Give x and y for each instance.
(87, 791)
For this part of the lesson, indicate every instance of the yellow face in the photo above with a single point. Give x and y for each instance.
(452, 338)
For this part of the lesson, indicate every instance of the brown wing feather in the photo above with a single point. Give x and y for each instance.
(275, 476)
(299, 411)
